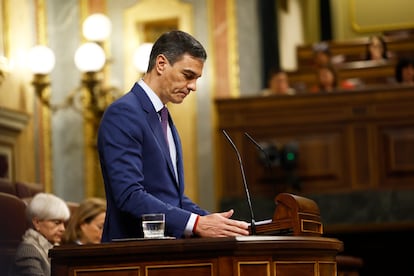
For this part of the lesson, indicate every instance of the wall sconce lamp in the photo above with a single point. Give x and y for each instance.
(97, 27)
(89, 59)
(141, 57)
(41, 63)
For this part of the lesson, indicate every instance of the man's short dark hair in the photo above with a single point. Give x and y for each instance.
(173, 45)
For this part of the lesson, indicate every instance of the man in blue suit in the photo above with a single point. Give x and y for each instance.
(143, 169)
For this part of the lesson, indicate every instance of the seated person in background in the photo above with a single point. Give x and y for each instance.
(86, 223)
(376, 49)
(278, 84)
(47, 215)
(404, 71)
(321, 54)
(326, 79)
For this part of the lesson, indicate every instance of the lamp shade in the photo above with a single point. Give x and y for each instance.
(90, 57)
(96, 27)
(41, 60)
(141, 57)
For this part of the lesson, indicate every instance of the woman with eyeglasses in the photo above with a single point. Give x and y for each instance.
(46, 214)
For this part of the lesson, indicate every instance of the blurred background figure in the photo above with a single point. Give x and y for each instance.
(86, 223)
(47, 215)
(404, 71)
(278, 84)
(326, 80)
(321, 54)
(376, 49)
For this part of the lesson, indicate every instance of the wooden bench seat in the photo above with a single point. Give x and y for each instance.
(364, 72)
(354, 50)
(14, 224)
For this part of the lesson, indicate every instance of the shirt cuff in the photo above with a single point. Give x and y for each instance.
(188, 232)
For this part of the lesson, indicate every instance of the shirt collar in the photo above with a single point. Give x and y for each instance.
(155, 100)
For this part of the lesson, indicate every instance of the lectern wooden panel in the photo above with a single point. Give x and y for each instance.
(294, 215)
(241, 256)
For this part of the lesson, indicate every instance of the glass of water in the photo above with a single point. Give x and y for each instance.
(153, 225)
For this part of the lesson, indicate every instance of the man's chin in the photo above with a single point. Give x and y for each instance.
(178, 100)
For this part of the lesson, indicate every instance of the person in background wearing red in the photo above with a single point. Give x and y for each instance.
(326, 80)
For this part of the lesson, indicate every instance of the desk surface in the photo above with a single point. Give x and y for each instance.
(252, 244)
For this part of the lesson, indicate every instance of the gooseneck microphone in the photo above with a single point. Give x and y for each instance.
(260, 148)
(246, 189)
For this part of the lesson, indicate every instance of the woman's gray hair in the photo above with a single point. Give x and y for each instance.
(47, 206)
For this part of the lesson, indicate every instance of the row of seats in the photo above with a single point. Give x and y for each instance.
(360, 74)
(14, 224)
(14, 197)
(351, 64)
(20, 189)
(354, 49)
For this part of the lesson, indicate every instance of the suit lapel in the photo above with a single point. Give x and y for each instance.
(155, 125)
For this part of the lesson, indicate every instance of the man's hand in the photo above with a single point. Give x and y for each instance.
(220, 225)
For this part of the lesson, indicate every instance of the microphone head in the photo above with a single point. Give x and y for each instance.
(270, 155)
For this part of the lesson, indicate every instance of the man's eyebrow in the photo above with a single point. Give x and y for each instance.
(191, 72)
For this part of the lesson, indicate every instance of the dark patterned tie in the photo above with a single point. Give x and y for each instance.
(164, 121)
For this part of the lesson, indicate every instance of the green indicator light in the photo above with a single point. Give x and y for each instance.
(290, 156)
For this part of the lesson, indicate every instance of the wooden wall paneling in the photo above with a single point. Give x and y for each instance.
(347, 141)
(361, 166)
(397, 144)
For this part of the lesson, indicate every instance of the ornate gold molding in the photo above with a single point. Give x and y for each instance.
(233, 58)
(392, 15)
(93, 181)
(4, 32)
(45, 132)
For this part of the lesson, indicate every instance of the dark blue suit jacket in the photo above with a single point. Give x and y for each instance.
(137, 169)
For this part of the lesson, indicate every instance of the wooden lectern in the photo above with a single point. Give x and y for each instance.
(294, 215)
(301, 253)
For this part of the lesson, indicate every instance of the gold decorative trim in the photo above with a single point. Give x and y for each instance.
(316, 264)
(5, 27)
(102, 269)
(233, 50)
(377, 28)
(41, 22)
(148, 267)
(84, 12)
(92, 176)
(45, 117)
(240, 263)
(214, 118)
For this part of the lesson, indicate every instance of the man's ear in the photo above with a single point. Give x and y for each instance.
(161, 63)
